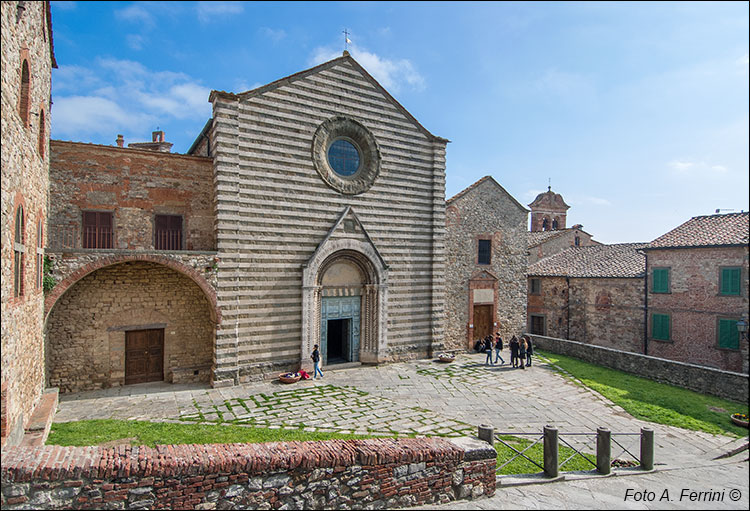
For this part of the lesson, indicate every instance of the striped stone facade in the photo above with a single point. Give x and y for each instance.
(275, 216)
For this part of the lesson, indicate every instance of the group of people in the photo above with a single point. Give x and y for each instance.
(520, 350)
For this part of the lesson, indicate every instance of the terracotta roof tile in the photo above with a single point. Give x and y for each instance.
(620, 260)
(707, 231)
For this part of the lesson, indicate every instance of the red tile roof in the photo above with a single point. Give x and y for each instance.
(623, 260)
(707, 231)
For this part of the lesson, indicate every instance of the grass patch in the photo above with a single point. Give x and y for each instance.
(653, 401)
(97, 432)
(521, 465)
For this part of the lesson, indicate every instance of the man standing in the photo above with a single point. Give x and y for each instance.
(316, 362)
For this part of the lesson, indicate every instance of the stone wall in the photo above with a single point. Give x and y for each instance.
(695, 305)
(133, 184)
(706, 380)
(556, 244)
(273, 210)
(87, 326)
(25, 164)
(485, 211)
(337, 474)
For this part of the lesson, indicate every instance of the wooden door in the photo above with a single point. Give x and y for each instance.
(482, 321)
(144, 356)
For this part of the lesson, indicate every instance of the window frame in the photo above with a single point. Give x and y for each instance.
(669, 326)
(97, 237)
(722, 269)
(668, 289)
(182, 231)
(538, 290)
(19, 252)
(732, 322)
(40, 252)
(540, 317)
(480, 240)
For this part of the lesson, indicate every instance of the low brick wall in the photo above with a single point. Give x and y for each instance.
(706, 380)
(335, 474)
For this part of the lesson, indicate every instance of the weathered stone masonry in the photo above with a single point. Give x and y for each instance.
(356, 474)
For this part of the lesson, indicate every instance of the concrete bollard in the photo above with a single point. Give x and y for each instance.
(647, 448)
(551, 468)
(487, 433)
(603, 451)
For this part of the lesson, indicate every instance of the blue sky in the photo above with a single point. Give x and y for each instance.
(636, 112)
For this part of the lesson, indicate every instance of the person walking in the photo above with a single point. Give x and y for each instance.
(529, 351)
(522, 352)
(498, 348)
(488, 350)
(513, 344)
(316, 362)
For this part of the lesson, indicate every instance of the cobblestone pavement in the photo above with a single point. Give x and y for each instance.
(418, 397)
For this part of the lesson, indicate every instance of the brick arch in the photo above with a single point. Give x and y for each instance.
(191, 273)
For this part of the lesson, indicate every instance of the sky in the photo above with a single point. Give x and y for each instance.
(635, 112)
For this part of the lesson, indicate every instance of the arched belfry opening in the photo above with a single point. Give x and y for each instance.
(344, 303)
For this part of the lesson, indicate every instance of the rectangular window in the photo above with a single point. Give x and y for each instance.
(660, 280)
(729, 336)
(168, 232)
(484, 251)
(537, 325)
(535, 286)
(661, 327)
(730, 281)
(97, 230)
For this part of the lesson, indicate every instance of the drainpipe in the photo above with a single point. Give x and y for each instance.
(645, 307)
(567, 320)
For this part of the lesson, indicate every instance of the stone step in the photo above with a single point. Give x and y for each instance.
(40, 422)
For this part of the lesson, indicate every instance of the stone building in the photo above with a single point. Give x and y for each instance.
(27, 62)
(543, 244)
(698, 291)
(486, 264)
(590, 294)
(308, 211)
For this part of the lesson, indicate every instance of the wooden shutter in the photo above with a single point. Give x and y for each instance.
(730, 281)
(729, 336)
(660, 327)
(660, 280)
(97, 229)
(168, 232)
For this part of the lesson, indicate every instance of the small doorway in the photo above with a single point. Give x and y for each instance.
(338, 340)
(144, 356)
(482, 321)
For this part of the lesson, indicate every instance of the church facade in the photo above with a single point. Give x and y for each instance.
(310, 211)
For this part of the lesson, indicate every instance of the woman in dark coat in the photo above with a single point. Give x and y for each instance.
(522, 352)
(513, 344)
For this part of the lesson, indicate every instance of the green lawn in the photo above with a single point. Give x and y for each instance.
(96, 432)
(655, 402)
(521, 465)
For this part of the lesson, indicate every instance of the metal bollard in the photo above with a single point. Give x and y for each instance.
(603, 451)
(647, 448)
(551, 468)
(486, 433)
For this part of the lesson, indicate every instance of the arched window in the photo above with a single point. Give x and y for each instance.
(42, 134)
(19, 252)
(39, 252)
(554, 224)
(25, 95)
(545, 225)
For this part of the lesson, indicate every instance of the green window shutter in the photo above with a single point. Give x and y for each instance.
(729, 336)
(660, 327)
(660, 280)
(730, 281)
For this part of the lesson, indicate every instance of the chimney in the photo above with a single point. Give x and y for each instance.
(120, 141)
(157, 136)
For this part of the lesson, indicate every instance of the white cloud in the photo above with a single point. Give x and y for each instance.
(209, 11)
(81, 117)
(274, 35)
(684, 167)
(135, 13)
(135, 41)
(681, 166)
(64, 6)
(564, 84)
(391, 74)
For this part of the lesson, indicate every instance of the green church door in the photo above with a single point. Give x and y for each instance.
(339, 329)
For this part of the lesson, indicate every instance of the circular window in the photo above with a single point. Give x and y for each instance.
(343, 157)
(346, 155)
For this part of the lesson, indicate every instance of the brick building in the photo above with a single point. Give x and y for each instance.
(308, 211)
(590, 294)
(27, 62)
(698, 291)
(486, 264)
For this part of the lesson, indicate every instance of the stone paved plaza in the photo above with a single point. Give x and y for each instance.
(418, 397)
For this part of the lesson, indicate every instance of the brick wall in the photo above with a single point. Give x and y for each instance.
(695, 305)
(133, 184)
(337, 474)
(485, 211)
(86, 328)
(707, 380)
(25, 36)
